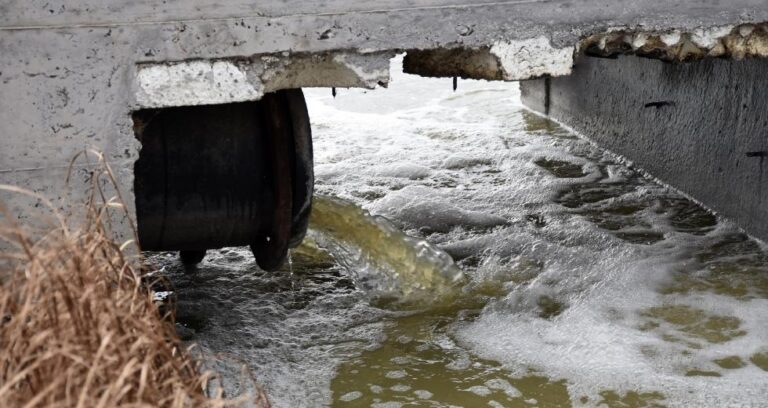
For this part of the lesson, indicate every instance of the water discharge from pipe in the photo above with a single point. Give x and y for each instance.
(393, 268)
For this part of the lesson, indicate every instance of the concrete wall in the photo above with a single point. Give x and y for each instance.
(71, 72)
(701, 127)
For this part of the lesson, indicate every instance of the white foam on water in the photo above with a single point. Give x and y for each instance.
(416, 206)
(459, 169)
(466, 177)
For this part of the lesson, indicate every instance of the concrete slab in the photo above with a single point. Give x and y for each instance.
(71, 72)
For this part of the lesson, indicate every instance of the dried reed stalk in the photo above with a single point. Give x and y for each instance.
(79, 326)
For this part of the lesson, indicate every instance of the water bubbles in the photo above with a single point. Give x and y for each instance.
(351, 396)
(577, 281)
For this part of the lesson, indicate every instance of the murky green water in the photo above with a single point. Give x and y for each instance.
(572, 279)
(394, 269)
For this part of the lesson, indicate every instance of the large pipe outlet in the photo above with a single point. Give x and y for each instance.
(225, 175)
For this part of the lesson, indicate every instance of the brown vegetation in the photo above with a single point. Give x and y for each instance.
(79, 326)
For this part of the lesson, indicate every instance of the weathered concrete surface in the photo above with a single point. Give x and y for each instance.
(700, 127)
(71, 72)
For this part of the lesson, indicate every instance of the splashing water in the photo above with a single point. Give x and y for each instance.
(584, 284)
(389, 265)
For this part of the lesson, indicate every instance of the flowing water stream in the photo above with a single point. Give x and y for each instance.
(572, 279)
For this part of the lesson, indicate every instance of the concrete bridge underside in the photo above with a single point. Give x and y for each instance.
(72, 73)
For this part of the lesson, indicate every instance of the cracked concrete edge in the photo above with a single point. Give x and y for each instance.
(532, 58)
(200, 82)
(194, 83)
(726, 41)
(538, 57)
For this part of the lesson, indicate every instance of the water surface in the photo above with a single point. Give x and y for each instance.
(582, 282)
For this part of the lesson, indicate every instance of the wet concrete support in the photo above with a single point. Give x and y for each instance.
(701, 127)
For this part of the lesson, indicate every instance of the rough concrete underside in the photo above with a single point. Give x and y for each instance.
(247, 48)
(71, 72)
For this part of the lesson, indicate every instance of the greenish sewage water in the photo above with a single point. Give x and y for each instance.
(419, 364)
(506, 263)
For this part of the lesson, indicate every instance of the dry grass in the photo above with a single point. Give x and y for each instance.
(80, 328)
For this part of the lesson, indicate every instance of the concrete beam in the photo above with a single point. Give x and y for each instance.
(72, 72)
(699, 127)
